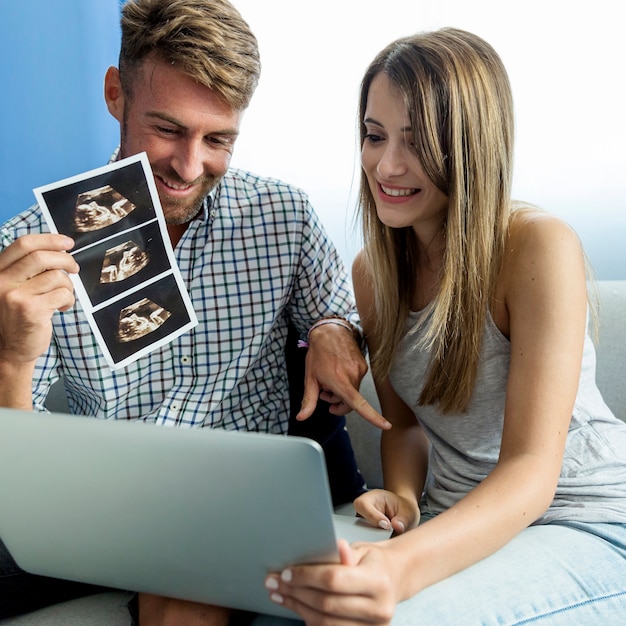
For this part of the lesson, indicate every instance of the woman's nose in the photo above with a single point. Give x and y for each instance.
(393, 161)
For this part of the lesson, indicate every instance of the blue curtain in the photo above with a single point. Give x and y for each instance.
(53, 120)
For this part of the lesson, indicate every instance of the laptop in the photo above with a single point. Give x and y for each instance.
(197, 514)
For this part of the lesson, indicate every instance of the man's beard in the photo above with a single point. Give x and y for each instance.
(178, 211)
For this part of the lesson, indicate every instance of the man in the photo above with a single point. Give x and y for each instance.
(251, 251)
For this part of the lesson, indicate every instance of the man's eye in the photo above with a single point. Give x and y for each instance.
(221, 141)
(166, 131)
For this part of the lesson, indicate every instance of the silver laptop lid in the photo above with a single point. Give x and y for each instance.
(196, 514)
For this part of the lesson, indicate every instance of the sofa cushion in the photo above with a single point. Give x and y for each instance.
(103, 609)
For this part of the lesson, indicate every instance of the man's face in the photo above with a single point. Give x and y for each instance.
(186, 129)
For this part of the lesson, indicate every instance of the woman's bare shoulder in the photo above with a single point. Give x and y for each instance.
(361, 270)
(525, 218)
(542, 249)
(537, 237)
(359, 261)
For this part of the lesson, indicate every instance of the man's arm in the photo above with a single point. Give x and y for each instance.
(335, 366)
(335, 363)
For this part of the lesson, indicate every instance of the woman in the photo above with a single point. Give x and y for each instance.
(475, 311)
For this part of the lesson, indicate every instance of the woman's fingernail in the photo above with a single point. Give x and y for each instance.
(271, 583)
(276, 597)
(286, 575)
(384, 524)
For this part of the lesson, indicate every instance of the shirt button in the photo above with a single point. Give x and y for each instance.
(185, 359)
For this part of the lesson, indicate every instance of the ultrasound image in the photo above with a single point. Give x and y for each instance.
(140, 319)
(123, 261)
(99, 208)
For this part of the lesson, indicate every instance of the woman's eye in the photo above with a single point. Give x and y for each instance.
(372, 138)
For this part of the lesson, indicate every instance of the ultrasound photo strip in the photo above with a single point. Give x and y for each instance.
(129, 284)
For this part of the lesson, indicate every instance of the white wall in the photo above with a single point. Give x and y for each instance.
(566, 64)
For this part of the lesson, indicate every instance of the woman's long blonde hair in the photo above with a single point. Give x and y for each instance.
(460, 107)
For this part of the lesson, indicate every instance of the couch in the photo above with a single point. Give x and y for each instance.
(109, 609)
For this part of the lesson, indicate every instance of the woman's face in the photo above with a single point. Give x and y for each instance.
(403, 193)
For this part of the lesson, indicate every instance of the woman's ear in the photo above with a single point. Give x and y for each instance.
(114, 94)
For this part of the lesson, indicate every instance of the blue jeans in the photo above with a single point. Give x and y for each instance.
(565, 574)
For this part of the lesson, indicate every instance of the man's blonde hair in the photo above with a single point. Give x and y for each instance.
(208, 40)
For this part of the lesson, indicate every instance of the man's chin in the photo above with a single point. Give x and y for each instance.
(177, 214)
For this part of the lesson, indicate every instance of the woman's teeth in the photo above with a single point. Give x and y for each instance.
(398, 192)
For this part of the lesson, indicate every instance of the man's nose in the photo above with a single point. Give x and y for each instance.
(187, 161)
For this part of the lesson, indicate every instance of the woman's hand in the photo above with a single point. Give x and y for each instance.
(386, 509)
(360, 590)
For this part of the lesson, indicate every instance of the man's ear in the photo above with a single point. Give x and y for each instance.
(114, 94)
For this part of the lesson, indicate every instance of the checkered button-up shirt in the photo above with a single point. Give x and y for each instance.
(256, 258)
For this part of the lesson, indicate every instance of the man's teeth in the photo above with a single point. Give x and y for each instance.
(176, 187)
(398, 192)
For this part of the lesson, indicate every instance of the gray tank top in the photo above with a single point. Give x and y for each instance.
(464, 448)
